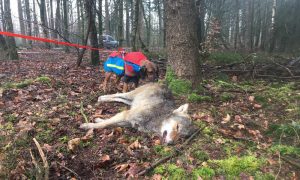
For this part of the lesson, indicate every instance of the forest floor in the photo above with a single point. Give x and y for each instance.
(250, 127)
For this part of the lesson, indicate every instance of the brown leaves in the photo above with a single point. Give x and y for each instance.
(133, 146)
(73, 143)
(226, 119)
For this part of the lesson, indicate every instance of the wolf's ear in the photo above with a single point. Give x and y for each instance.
(182, 109)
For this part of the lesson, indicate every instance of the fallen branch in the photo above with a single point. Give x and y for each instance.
(46, 165)
(165, 159)
(69, 170)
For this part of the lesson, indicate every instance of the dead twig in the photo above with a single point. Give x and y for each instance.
(73, 172)
(39, 172)
(82, 113)
(165, 159)
(46, 165)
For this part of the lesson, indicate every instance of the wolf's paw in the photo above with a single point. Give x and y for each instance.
(86, 126)
(97, 120)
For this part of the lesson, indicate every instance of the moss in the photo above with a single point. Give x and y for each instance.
(198, 98)
(162, 150)
(10, 118)
(204, 173)
(200, 155)
(226, 97)
(64, 139)
(281, 93)
(45, 136)
(44, 80)
(285, 150)
(263, 176)
(234, 166)
(171, 171)
(25, 83)
(178, 86)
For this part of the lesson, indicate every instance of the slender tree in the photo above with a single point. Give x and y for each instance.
(100, 24)
(21, 20)
(28, 20)
(44, 23)
(35, 21)
(66, 26)
(90, 7)
(107, 18)
(11, 43)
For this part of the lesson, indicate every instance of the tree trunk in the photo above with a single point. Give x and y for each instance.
(43, 13)
(135, 25)
(3, 48)
(52, 19)
(201, 16)
(66, 27)
(107, 25)
(273, 27)
(11, 43)
(35, 21)
(127, 6)
(90, 7)
(21, 20)
(57, 19)
(100, 23)
(28, 19)
(2, 15)
(237, 23)
(182, 39)
(120, 24)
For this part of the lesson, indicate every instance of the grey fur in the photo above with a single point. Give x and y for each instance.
(152, 110)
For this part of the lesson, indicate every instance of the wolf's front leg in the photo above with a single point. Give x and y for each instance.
(119, 119)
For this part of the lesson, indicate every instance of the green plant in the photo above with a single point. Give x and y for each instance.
(200, 155)
(263, 176)
(234, 165)
(178, 86)
(226, 96)
(23, 84)
(198, 98)
(204, 173)
(44, 80)
(64, 139)
(285, 150)
(162, 150)
(171, 171)
(10, 118)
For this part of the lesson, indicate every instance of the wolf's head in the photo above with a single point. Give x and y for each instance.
(178, 124)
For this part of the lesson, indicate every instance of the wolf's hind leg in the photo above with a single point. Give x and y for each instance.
(117, 120)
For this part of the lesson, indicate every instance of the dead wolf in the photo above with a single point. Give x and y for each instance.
(152, 110)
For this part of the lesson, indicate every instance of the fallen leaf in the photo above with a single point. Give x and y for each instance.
(132, 171)
(238, 118)
(135, 145)
(251, 98)
(105, 158)
(73, 143)
(234, 78)
(226, 119)
(48, 148)
(257, 106)
(156, 177)
(121, 167)
(89, 135)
